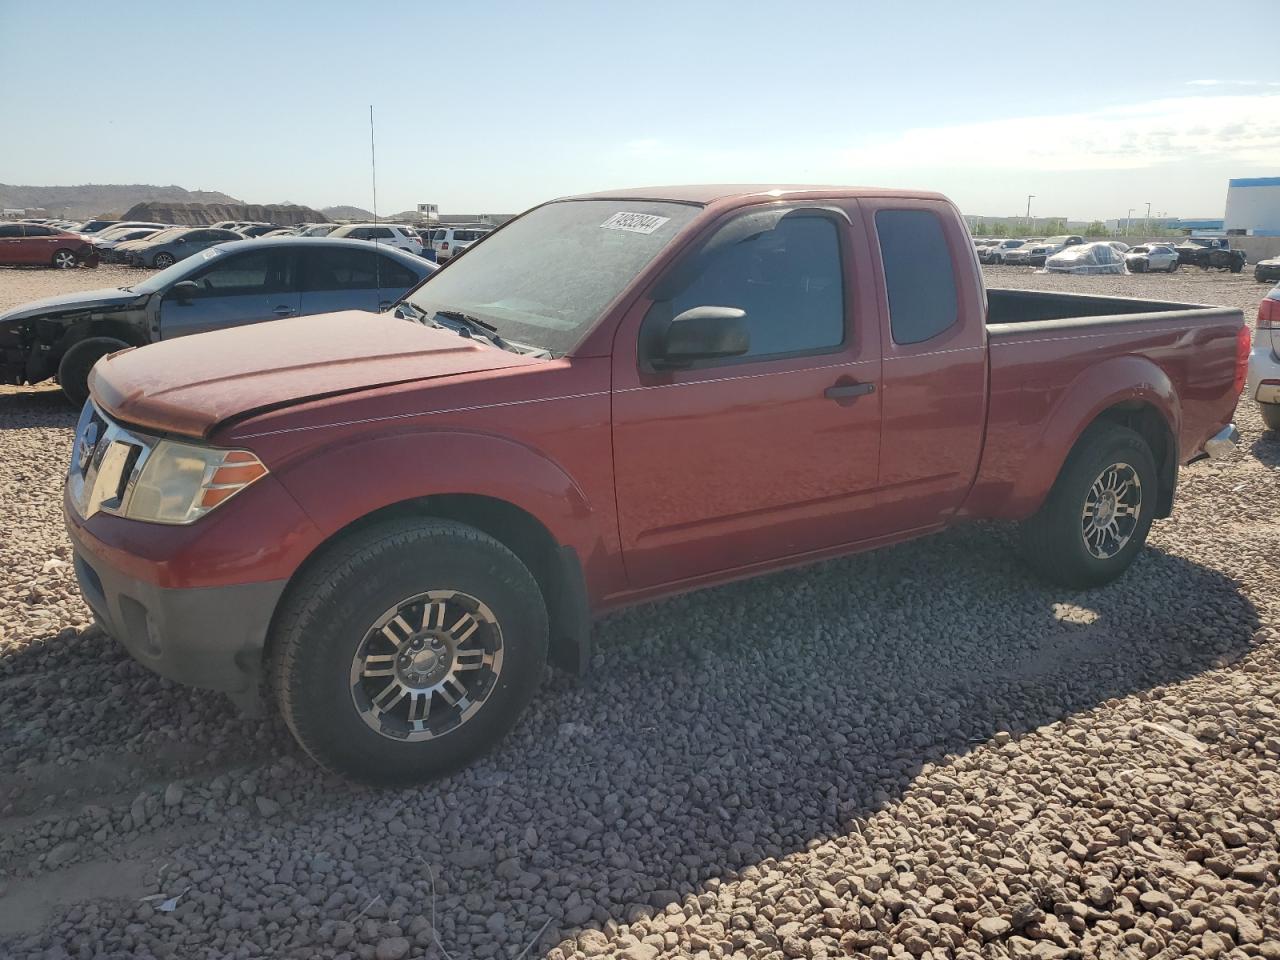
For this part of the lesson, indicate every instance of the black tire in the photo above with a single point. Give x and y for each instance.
(330, 614)
(74, 367)
(64, 259)
(1173, 266)
(1236, 266)
(163, 261)
(1271, 415)
(1139, 266)
(1054, 539)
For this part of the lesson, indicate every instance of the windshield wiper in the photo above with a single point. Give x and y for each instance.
(417, 313)
(470, 326)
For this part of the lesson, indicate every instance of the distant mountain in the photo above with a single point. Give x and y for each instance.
(346, 212)
(100, 199)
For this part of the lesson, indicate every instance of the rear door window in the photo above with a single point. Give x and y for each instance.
(918, 274)
(340, 269)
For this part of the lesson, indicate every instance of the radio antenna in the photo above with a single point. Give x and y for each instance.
(373, 165)
(373, 170)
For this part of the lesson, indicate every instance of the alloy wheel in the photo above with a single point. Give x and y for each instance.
(427, 665)
(1111, 510)
(64, 259)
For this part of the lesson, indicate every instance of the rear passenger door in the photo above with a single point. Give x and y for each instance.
(235, 289)
(339, 278)
(935, 359)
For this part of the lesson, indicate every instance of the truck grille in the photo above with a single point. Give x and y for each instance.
(105, 463)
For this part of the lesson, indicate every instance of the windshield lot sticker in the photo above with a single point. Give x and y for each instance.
(634, 222)
(210, 253)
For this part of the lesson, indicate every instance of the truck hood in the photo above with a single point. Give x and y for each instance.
(190, 385)
(106, 299)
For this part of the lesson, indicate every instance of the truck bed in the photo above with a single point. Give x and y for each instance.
(1060, 360)
(1006, 308)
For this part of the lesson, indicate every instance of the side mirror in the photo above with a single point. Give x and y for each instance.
(703, 333)
(185, 291)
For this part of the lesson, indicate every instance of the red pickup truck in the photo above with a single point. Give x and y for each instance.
(396, 520)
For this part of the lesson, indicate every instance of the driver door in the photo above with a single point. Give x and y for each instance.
(763, 456)
(235, 289)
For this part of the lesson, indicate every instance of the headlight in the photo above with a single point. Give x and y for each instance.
(181, 482)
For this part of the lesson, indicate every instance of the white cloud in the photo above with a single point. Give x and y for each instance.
(1233, 83)
(1243, 129)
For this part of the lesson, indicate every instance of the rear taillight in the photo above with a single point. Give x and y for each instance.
(444, 245)
(1242, 360)
(1269, 315)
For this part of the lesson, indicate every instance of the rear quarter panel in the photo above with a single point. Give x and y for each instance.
(1051, 379)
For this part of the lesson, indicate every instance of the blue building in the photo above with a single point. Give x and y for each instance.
(1253, 207)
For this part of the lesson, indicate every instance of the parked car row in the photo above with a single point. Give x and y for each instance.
(1163, 256)
(160, 245)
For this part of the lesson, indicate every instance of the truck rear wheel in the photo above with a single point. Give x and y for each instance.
(1098, 514)
(408, 650)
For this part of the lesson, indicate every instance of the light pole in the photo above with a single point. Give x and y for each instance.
(1148, 219)
(1030, 197)
(1128, 222)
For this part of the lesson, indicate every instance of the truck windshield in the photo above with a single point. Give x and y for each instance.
(546, 278)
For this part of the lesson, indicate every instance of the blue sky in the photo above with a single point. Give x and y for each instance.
(494, 106)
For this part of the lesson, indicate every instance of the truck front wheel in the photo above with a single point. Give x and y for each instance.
(1098, 514)
(408, 650)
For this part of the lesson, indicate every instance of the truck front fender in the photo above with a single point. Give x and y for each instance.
(1018, 482)
(341, 483)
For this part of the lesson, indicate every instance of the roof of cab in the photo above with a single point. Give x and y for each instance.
(707, 193)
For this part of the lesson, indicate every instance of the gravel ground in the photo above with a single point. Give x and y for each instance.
(915, 752)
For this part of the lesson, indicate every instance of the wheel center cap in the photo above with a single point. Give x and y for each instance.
(1106, 509)
(425, 660)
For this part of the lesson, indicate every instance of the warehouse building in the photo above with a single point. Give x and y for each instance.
(1253, 207)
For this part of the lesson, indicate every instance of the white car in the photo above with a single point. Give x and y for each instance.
(1263, 382)
(448, 241)
(1152, 257)
(996, 252)
(392, 234)
(1086, 258)
(1020, 255)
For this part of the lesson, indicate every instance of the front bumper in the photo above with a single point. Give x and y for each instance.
(209, 637)
(1223, 443)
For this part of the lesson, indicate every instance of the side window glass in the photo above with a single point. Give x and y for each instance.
(337, 269)
(917, 273)
(788, 280)
(243, 275)
(10, 231)
(395, 274)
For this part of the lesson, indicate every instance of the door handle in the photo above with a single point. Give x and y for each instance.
(848, 391)
(282, 311)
